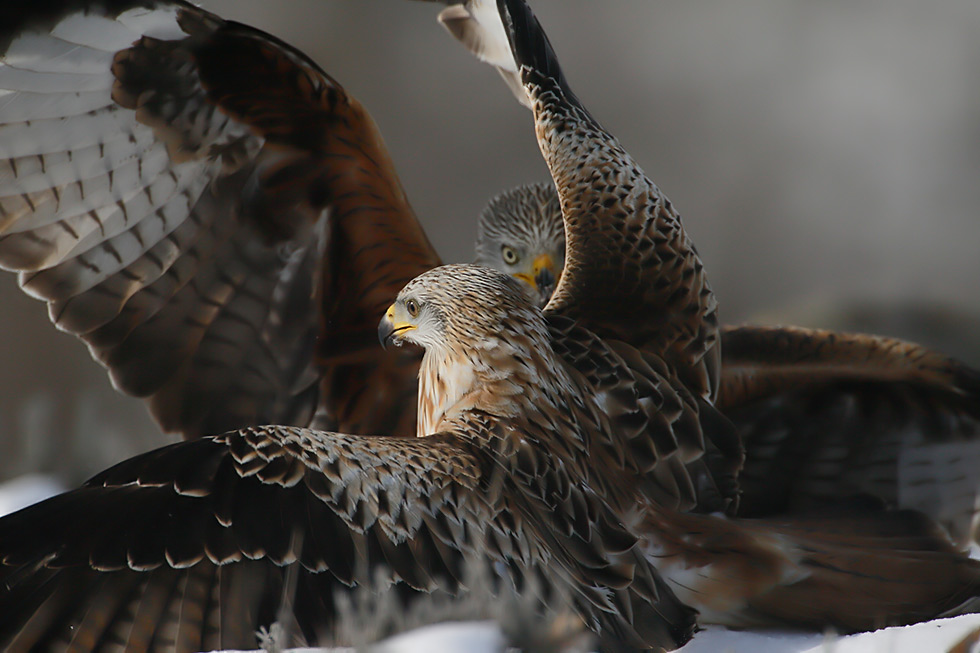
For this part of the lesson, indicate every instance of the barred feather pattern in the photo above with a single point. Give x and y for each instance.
(182, 192)
(631, 271)
(271, 521)
(878, 566)
(826, 415)
(120, 208)
(822, 415)
(202, 565)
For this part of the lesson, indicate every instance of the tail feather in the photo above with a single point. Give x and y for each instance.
(852, 570)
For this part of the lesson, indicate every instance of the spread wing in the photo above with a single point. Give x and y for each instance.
(631, 272)
(851, 567)
(182, 191)
(632, 310)
(824, 415)
(198, 545)
(551, 481)
(195, 546)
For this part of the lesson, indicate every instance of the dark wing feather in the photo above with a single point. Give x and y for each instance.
(195, 542)
(631, 272)
(656, 424)
(183, 191)
(197, 545)
(824, 415)
(553, 486)
(632, 311)
(853, 566)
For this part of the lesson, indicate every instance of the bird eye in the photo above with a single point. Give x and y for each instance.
(413, 307)
(509, 254)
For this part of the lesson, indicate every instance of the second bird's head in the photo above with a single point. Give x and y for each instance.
(522, 234)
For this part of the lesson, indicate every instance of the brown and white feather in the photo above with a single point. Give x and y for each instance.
(204, 207)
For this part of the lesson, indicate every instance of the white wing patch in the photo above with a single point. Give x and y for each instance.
(132, 204)
(21, 106)
(86, 190)
(477, 25)
(156, 23)
(45, 53)
(101, 32)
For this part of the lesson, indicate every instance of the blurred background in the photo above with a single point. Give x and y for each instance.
(825, 157)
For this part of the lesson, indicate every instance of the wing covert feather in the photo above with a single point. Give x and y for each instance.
(163, 529)
(657, 423)
(825, 415)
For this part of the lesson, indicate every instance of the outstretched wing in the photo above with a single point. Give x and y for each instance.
(632, 311)
(853, 566)
(198, 545)
(195, 546)
(183, 191)
(824, 415)
(631, 272)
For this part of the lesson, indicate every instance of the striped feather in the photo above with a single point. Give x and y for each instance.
(164, 186)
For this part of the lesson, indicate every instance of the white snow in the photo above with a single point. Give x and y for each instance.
(937, 636)
(940, 636)
(472, 637)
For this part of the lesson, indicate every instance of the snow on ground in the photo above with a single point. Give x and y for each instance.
(471, 637)
(939, 636)
(957, 635)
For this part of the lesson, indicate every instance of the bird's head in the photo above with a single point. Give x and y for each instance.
(521, 234)
(484, 340)
(458, 308)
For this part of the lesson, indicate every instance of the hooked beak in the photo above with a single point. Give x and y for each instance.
(545, 282)
(390, 327)
(542, 277)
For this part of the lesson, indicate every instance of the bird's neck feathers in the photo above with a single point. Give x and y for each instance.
(495, 376)
(443, 382)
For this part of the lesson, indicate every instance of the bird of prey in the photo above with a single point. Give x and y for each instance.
(521, 232)
(197, 545)
(221, 223)
(822, 415)
(228, 261)
(621, 232)
(622, 415)
(210, 212)
(164, 189)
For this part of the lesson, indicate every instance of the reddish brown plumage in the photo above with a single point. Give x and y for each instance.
(850, 570)
(634, 320)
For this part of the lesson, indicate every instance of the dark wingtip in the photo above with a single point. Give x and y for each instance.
(529, 43)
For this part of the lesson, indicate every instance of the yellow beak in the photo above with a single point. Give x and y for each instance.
(391, 326)
(543, 263)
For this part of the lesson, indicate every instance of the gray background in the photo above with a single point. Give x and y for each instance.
(824, 155)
